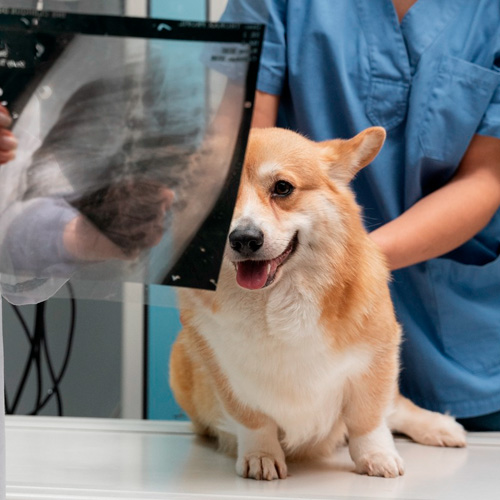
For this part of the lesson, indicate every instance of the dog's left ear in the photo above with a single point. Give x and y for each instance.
(347, 157)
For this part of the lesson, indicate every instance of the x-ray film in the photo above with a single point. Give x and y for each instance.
(131, 138)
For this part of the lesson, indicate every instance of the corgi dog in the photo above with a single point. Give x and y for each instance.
(299, 346)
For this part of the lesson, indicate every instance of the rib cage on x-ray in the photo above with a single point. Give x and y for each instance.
(118, 115)
(114, 130)
(109, 130)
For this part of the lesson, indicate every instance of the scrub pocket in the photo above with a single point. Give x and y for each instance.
(387, 102)
(458, 99)
(468, 312)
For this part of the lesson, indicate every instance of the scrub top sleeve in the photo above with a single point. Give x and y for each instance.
(34, 261)
(490, 123)
(34, 239)
(272, 68)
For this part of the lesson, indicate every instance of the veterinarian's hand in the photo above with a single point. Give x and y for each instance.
(120, 221)
(8, 142)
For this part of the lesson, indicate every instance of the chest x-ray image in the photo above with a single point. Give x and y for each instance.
(131, 140)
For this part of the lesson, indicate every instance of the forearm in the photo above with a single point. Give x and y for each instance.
(448, 217)
(265, 110)
(438, 223)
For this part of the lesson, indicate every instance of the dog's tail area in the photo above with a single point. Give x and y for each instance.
(424, 426)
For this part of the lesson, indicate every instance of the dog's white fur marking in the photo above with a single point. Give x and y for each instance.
(269, 170)
(289, 340)
(375, 454)
(260, 455)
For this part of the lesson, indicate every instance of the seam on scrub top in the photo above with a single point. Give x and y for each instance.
(424, 126)
(429, 274)
(405, 81)
(457, 6)
(401, 105)
(270, 83)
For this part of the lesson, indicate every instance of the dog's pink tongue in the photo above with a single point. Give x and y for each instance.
(252, 274)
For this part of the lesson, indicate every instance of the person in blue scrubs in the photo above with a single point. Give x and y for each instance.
(429, 72)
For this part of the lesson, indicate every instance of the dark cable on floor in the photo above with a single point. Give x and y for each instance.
(39, 356)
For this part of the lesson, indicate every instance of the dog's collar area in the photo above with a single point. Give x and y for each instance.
(257, 274)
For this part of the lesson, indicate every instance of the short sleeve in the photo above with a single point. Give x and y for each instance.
(272, 70)
(490, 123)
(33, 260)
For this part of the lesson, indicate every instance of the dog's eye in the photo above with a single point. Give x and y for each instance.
(282, 188)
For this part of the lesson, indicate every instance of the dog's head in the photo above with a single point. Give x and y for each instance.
(294, 205)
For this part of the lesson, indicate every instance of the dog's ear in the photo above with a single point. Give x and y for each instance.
(346, 158)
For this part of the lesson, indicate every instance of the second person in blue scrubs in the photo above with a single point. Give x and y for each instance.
(429, 72)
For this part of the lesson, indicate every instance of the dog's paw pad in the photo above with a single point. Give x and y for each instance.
(441, 430)
(261, 466)
(381, 464)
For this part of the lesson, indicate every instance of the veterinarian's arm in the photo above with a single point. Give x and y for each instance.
(265, 110)
(450, 216)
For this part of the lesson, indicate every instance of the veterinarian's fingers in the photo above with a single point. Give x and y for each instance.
(6, 157)
(8, 142)
(5, 118)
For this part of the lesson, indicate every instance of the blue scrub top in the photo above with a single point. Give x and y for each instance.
(432, 81)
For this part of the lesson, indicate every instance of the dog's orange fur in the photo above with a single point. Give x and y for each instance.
(338, 277)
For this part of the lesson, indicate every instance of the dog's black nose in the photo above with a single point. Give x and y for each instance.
(246, 241)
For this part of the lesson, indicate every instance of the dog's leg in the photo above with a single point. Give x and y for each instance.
(260, 455)
(424, 426)
(374, 453)
(371, 444)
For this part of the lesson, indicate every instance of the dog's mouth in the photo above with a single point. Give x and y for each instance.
(256, 274)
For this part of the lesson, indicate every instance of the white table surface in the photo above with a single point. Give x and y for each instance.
(88, 459)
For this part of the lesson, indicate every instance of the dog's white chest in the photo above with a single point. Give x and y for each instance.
(278, 361)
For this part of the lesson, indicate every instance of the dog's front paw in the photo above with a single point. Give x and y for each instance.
(261, 466)
(381, 464)
(439, 430)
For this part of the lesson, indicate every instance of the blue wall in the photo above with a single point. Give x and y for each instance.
(163, 327)
(188, 10)
(163, 322)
